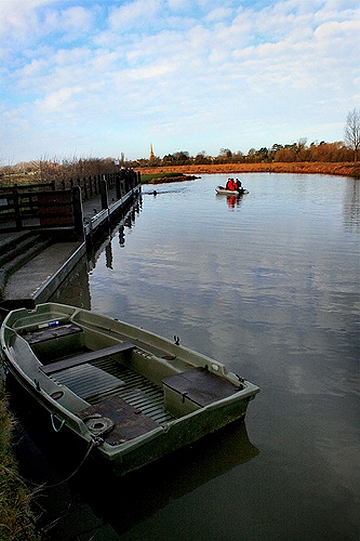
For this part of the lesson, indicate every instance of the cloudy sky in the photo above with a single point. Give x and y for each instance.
(87, 78)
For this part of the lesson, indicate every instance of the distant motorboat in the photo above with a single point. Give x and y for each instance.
(221, 190)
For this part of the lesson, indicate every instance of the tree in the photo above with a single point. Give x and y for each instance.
(225, 153)
(352, 132)
(202, 158)
(181, 157)
(286, 154)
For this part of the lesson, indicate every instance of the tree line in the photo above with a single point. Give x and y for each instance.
(62, 169)
(295, 152)
(45, 170)
(341, 151)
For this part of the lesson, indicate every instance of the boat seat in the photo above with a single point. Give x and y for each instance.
(88, 357)
(200, 386)
(38, 336)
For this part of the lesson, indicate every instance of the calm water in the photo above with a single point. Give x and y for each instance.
(268, 284)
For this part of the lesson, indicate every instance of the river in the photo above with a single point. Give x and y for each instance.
(269, 285)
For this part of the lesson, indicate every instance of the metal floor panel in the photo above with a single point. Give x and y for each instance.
(87, 380)
(105, 378)
(136, 390)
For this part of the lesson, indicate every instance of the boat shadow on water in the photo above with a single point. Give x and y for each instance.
(51, 460)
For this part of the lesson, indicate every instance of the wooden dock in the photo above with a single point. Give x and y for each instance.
(39, 251)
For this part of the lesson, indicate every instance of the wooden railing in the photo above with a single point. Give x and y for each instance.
(90, 186)
(41, 209)
(59, 205)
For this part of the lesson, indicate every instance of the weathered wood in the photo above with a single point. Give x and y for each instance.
(200, 386)
(56, 209)
(78, 212)
(59, 212)
(16, 202)
(104, 193)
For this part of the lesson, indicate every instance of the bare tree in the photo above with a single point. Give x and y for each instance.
(352, 132)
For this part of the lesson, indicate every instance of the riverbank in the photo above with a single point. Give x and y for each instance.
(16, 520)
(161, 177)
(346, 169)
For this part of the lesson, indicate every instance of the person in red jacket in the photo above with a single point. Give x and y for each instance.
(231, 185)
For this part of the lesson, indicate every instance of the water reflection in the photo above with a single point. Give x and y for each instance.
(272, 289)
(142, 494)
(352, 205)
(109, 256)
(75, 289)
(122, 236)
(119, 503)
(233, 201)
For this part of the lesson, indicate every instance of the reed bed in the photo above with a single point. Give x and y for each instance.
(16, 519)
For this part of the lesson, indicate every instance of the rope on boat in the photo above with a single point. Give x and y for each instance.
(52, 417)
(94, 443)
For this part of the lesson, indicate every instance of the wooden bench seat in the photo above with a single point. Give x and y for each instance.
(88, 357)
(200, 386)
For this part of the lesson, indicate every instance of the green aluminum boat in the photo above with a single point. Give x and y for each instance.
(130, 394)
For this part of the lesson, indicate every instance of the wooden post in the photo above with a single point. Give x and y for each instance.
(78, 212)
(104, 193)
(85, 187)
(16, 200)
(118, 187)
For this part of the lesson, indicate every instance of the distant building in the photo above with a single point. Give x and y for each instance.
(151, 154)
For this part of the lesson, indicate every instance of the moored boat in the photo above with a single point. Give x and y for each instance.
(221, 190)
(130, 394)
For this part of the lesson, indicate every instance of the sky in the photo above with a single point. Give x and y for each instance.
(93, 79)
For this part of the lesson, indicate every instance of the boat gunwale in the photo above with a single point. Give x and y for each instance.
(245, 393)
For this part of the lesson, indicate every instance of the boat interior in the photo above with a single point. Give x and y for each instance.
(98, 367)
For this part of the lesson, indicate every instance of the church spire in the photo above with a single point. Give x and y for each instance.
(151, 155)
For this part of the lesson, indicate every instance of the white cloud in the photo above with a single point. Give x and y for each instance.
(246, 72)
(134, 15)
(18, 18)
(219, 14)
(74, 19)
(150, 72)
(55, 100)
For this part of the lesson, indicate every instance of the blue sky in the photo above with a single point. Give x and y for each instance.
(101, 78)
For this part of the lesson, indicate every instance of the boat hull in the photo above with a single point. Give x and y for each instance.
(178, 396)
(223, 191)
(178, 436)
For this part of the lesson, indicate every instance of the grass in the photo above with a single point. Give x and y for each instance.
(16, 519)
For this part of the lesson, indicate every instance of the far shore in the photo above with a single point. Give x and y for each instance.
(346, 169)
